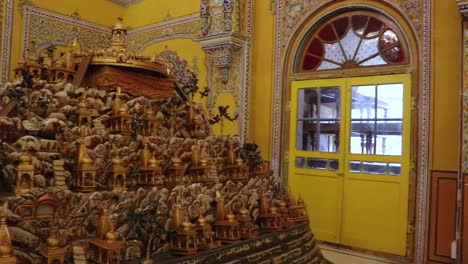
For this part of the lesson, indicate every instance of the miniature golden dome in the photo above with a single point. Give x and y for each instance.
(52, 242)
(25, 158)
(186, 225)
(153, 162)
(122, 110)
(243, 211)
(230, 217)
(5, 251)
(239, 161)
(111, 236)
(273, 210)
(116, 161)
(176, 161)
(203, 162)
(201, 220)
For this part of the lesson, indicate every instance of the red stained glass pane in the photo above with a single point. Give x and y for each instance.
(373, 28)
(341, 26)
(310, 61)
(394, 55)
(359, 24)
(327, 34)
(316, 47)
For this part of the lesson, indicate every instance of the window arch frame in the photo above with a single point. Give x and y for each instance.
(312, 32)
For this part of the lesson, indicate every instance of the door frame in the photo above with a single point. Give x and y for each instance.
(417, 68)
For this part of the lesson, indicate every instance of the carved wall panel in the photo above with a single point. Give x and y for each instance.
(44, 28)
(6, 24)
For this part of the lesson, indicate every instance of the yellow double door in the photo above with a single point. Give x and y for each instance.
(348, 158)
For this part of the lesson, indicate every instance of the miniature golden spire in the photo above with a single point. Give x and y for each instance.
(195, 156)
(176, 217)
(145, 154)
(6, 247)
(117, 103)
(220, 209)
(83, 155)
(104, 224)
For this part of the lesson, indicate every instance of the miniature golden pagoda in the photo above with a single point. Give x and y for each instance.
(297, 209)
(85, 172)
(24, 174)
(270, 219)
(234, 168)
(118, 37)
(205, 235)
(106, 248)
(226, 226)
(6, 248)
(149, 123)
(176, 174)
(30, 65)
(286, 221)
(121, 120)
(118, 175)
(183, 240)
(60, 72)
(247, 229)
(83, 113)
(52, 252)
(150, 170)
(199, 170)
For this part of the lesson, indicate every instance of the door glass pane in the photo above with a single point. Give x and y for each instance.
(388, 141)
(363, 102)
(374, 167)
(318, 119)
(390, 103)
(376, 119)
(362, 137)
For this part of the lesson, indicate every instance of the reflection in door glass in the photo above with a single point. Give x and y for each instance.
(374, 167)
(318, 119)
(376, 119)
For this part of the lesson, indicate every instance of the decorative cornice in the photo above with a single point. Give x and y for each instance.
(182, 27)
(6, 28)
(125, 2)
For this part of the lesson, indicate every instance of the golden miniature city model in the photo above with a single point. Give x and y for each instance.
(123, 174)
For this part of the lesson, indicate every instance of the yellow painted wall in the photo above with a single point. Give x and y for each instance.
(446, 84)
(149, 12)
(260, 114)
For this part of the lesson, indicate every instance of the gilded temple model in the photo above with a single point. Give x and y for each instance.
(127, 170)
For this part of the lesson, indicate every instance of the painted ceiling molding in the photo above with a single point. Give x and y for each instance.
(6, 27)
(125, 2)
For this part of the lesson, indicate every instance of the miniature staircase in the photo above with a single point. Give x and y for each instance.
(79, 256)
(7, 108)
(59, 174)
(81, 72)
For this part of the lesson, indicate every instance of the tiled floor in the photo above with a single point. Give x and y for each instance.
(347, 256)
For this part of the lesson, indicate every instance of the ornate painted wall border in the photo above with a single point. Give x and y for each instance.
(182, 27)
(412, 9)
(62, 28)
(5, 35)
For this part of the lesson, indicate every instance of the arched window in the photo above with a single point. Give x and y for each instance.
(351, 40)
